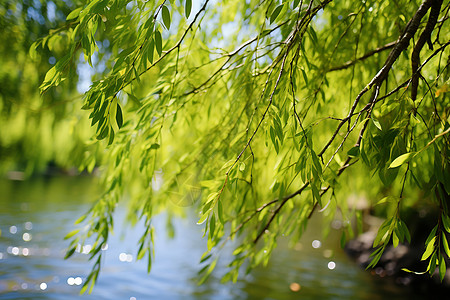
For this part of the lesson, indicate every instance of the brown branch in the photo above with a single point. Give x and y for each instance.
(425, 37)
(401, 44)
(365, 56)
(275, 213)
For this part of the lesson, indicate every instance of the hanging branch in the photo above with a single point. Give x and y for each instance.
(425, 37)
(401, 44)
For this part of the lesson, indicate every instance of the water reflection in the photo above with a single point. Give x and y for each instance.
(13, 229)
(37, 214)
(74, 281)
(124, 257)
(331, 265)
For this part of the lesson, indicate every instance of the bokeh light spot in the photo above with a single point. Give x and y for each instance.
(295, 287)
(316, 244)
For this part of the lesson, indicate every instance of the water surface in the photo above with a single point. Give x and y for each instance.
(36, 214)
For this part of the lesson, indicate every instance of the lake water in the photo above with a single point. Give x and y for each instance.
(36, 214)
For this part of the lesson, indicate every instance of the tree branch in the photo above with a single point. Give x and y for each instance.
(401, 44)
(424, 37)
(365, 56)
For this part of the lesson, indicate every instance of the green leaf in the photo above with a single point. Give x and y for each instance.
(80, 219)
(395, 240)
(220, 212)
(207, 255)
(150, 51)
(208, 272)
(33, 50)
(119, 116)
(405, 231)
(275, 13)
(313, 35)
(431, 235)
(442, 268)
(315, 193)
(212, 225)
(141, 252)
(305, 77)
(71, 234)
(353, 152)
(388, 199)
(111, 137)
(74, 14)
(136, 75)
(50, 74)
(377, 124)
(203, 218)
(402, 159)
(409, 271)
(445, 244)
(166, 16)
(103, 132)
(432, 264)
(187, 8)
(446, 222)
(70, 252)
(155, 146)
(158, 42)
(429, 250)
(382, 231)
(343, 240)
(376, 255)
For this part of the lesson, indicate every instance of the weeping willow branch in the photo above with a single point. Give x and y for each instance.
(401, 44)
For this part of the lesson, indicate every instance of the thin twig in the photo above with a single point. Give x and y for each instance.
(365, 56)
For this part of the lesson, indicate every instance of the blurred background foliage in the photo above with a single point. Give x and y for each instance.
(38, 131)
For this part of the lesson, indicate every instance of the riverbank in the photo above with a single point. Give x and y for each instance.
(404, 256)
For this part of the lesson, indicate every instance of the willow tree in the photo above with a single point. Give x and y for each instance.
(261, 114)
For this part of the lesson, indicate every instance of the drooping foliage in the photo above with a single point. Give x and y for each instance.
(262, 113)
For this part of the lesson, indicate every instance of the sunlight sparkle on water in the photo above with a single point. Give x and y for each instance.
(15, 251)
(43, 286)
(74, 281)
(25, 251)
(28, 225)
(331, 265)
(125, 257)
(13, 229)
(316, 244)
(27, 237)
